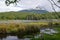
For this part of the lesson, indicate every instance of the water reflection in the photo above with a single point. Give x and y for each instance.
(2, 36)
(48, 31)
(28, 37)
(12, 37)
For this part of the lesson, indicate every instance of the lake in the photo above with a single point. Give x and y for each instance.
(18, 37)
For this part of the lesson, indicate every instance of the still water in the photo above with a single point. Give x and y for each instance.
(19, 37)
(10, 37)
(14, 38)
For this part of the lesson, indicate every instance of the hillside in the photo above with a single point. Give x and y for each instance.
(28, 16)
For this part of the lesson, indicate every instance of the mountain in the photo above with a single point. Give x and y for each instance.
(34, 10)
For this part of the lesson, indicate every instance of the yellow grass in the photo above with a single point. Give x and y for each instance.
(15, 27)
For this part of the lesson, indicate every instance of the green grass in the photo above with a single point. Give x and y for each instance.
(50, 37)
(28, 16)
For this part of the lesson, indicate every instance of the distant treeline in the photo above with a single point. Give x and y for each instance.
(28, 16)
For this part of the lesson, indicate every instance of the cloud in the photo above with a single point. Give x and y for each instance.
(4, 8)
(42, 3)
(27, 4)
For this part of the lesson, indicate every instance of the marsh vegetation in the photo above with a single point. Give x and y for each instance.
(28, 30)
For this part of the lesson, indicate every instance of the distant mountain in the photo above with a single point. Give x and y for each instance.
(35, 11)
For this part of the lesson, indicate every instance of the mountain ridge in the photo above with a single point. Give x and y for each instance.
(34, 10)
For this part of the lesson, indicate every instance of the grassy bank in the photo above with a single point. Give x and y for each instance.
(50, 37)
(17, 28)
(24, 27)
(55, 26)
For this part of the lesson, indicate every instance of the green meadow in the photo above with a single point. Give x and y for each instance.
(32, 28)
(28, 15)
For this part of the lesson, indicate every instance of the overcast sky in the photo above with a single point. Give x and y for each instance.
(27, 4)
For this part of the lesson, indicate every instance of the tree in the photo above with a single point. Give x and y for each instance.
(8, 2)
(58, 0)
(55, 3)
(52, 5)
